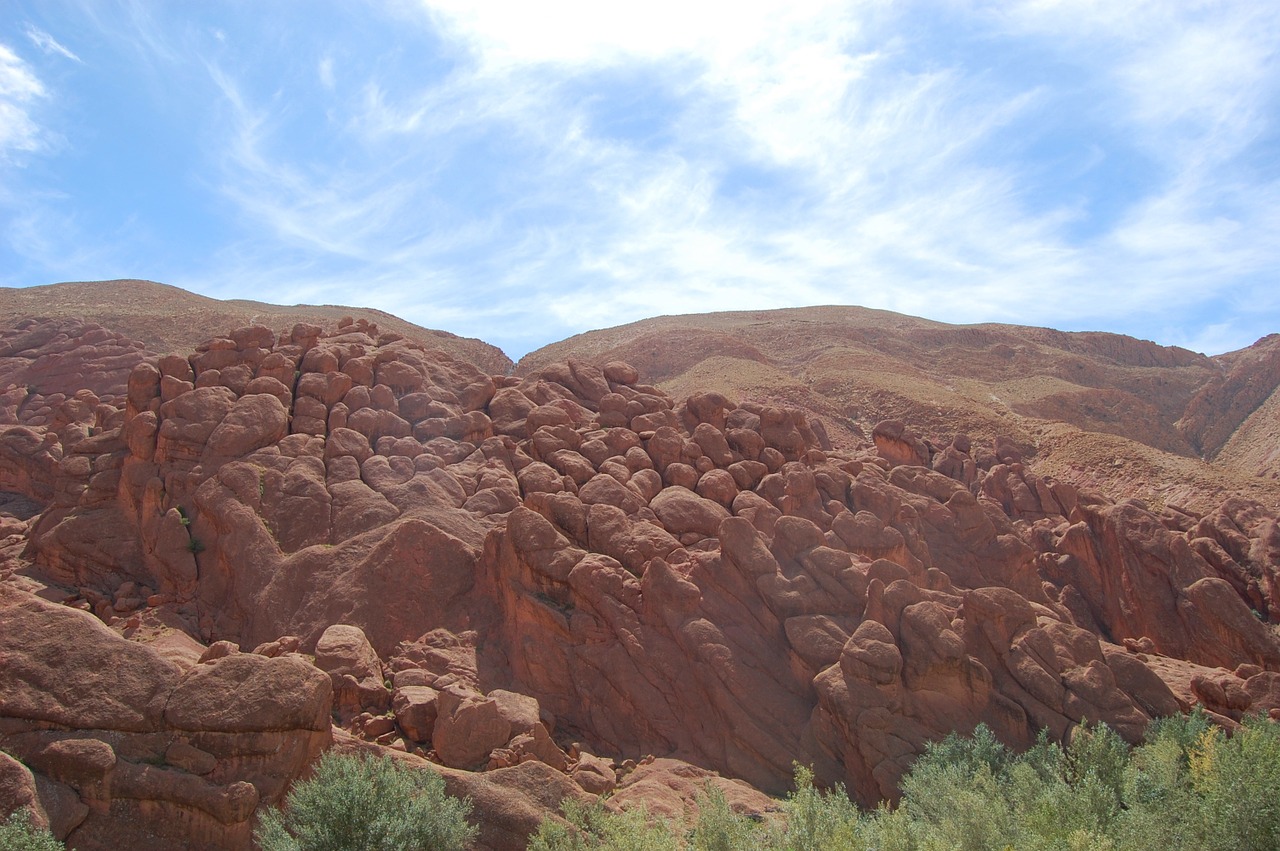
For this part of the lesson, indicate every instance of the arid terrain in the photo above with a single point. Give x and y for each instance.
(168, 319)
(1157, 423)
(692, 549)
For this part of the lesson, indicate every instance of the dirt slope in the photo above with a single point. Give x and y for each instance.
(170, 319)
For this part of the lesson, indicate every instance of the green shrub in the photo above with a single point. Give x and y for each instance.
(973, 793)
(818, 819)
(1238, 779)
(595, 827)
(719, 828)
(363, 803)
(17, 834)
(1098, 752)
(1182, 730)
(967, 753)
(960, 806)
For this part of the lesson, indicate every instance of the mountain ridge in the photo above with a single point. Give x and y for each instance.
(1071, 400)
(169, 319)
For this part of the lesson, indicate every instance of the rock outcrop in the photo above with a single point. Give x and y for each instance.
(550, 579)
(124, 748)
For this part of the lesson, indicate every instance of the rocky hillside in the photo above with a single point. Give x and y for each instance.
(1164, 424)
(169, 319)
(572, 582)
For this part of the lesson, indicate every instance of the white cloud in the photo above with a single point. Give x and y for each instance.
(43, 232)
(347, 214)
(882, 181)
(582, 32)
(1213, 339)
(49, 44)
(802, 152)
(324, 71)
(19, 89)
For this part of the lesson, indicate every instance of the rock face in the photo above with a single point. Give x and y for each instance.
(514, 575)
(61, 382)
(1217, 411)
(126, 749)
(258, 462)
(1111, 413)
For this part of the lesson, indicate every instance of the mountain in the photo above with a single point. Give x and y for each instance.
(170, 319)
(690, 550)
(1166, 424)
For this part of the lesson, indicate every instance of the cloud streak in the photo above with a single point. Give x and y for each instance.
(20, 88)
(523, 172)
(49, 44)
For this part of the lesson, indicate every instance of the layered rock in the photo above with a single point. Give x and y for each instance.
(124, 748)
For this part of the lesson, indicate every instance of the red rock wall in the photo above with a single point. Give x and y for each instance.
(575, 563)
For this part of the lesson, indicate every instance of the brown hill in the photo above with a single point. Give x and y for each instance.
(1167, 424)
(170, 319)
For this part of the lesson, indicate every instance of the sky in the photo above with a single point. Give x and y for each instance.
(521, 172)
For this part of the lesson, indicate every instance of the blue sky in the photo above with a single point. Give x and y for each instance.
(520, 172)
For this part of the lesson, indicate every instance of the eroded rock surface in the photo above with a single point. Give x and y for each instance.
(572, 570)
(127, 749)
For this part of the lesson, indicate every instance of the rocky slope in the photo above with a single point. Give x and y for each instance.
(570, 582)
(169, 319)
(1162, 424)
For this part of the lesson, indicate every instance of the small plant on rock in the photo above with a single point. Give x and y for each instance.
(18, 834)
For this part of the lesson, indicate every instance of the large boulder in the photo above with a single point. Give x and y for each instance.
(111, 743)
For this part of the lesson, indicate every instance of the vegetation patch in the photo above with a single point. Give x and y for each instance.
(359, 802)
(1190, 786)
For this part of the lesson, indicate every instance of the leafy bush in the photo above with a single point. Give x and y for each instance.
(816, 819)
(1238, 781)
(1190, 786)
(973, 793)
(17, 834)
(719, 828)
(375, 804)
(596, 827)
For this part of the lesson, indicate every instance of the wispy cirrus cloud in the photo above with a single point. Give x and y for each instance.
(49, 44)
(521, 172)
(20, 88)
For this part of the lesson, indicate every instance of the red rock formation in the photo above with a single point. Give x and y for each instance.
(125, 748)
(496, 573)
(1241, 542)
(1247, 378)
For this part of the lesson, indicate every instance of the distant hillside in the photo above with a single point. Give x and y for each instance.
(1074, 402)
(1159, 423)
(169, 319)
